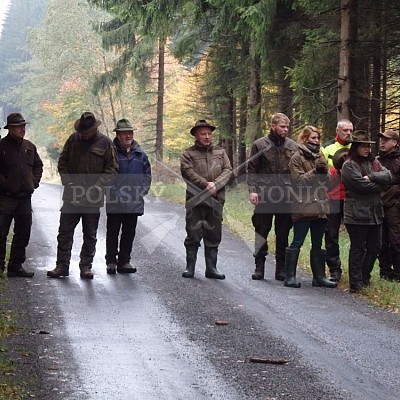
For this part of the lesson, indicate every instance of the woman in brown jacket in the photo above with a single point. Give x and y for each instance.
(310, 207)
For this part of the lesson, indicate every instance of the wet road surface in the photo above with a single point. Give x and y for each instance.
(152, 335)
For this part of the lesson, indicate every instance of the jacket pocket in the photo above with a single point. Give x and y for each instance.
(361, 212)
(29, 157)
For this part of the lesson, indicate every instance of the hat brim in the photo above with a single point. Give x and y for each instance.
(76, 126)
(362, 141)
(16, 124)
(193, 130)
(123, 130)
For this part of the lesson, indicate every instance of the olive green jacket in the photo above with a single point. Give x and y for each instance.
(200, 165)
(363, 204)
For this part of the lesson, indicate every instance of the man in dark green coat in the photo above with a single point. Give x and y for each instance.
(86, 165)
(206, 169)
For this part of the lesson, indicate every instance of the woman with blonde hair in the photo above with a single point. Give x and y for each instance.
(310, 207)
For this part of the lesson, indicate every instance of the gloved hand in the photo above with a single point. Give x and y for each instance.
(321, 166)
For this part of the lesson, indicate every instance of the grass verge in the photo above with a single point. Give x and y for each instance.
(8, 389)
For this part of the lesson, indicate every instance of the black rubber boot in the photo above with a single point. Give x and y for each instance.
(367, 267)
(191, 257)
(210, 254)
(18, 271)
(259, 271)
(317, 261)
(291, 258)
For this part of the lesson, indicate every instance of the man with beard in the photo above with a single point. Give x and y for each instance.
(268, 179)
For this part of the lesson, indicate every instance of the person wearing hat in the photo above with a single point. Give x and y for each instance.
(344, 130)
(124, 200)
(364, 179)
(20, 172)
(310, 207)
(389, 157)
(206, 170)
(268, 180)
(86, 165)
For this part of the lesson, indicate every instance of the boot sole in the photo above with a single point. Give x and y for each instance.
(57, 275)
(17, 275)
(215, 277)
(130, 271)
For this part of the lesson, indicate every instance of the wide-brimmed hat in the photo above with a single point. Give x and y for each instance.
(123, 125)
(15, 119)
(86, 122)
(200, 124)
(390, 134)
(340, 157)
(361, 137)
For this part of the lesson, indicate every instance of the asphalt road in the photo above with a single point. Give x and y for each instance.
(152, 335)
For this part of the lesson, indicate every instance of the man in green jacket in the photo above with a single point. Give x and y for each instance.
(20, 173)
(206, 169)
(86, 165)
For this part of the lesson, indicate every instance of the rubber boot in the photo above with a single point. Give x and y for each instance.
(18, 271)
(291, 258)
(280, 273)
(259, 271)
(191, 257)
(59, 271)
(367, 267)
(396, 267)
(210, 254)
(86, 272)
(317, 261)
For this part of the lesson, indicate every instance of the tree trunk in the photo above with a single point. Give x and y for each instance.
(348, 31)
(254, 129)
(242, 137)
(160, 101)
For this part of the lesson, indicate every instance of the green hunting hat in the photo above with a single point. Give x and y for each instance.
(123, 125)
(200, 124)
(361, 137)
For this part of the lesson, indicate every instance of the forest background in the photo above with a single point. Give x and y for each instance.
(164, 64)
